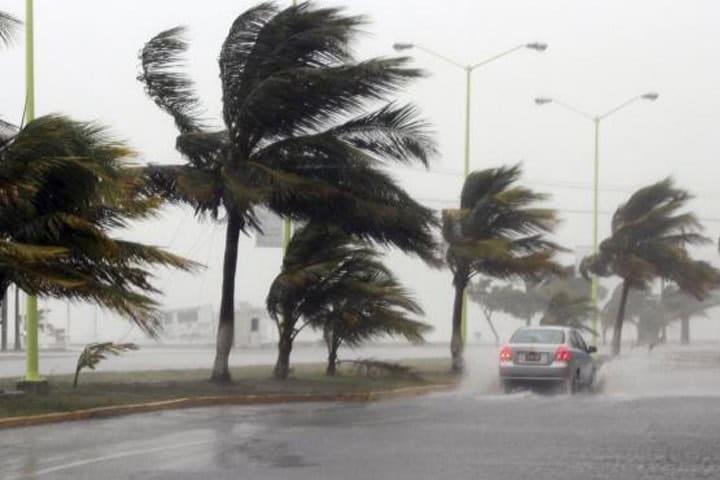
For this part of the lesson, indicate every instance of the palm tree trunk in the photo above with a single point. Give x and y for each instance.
(488, 317)
(456, 343)
(332, 359)
(226, 323)
(282, 365)
(617, 331)
(685, 331)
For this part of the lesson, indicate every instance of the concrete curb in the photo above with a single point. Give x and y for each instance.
(194, 402)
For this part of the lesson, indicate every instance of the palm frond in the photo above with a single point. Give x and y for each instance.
(8, 27)
(170, 88)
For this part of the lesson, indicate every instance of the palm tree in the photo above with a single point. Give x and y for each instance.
(334, 283)
(64, 187)
(497, 232)
(303, 136)
(374, 304)
(491, 298)
(650, 239)
(678, 305)
(566, 310)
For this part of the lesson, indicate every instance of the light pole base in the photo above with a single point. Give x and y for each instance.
(38, 387)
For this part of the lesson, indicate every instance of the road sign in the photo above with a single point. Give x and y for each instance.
(271, 224)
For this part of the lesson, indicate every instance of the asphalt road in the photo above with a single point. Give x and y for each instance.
(669, 432)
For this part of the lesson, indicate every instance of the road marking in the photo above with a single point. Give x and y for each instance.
(114, 456)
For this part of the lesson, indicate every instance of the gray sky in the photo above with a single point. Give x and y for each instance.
(601, 53)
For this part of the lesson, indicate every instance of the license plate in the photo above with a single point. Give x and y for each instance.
(532, 356)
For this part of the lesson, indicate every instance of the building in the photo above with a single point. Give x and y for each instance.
(253, 326)
(198, 325)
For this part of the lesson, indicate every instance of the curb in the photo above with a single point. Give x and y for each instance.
(195, 402)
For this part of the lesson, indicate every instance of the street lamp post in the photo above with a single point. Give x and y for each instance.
(596, 119)
(469, 69)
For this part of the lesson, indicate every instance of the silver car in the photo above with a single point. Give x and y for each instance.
(547, 354)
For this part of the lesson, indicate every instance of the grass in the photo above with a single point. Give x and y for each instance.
(101, 389)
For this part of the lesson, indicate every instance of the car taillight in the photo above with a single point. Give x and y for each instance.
(562, 354)
(505, 353)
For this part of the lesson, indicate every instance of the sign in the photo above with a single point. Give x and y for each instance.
(272, 230)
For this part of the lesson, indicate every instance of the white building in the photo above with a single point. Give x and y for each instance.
(198, 325)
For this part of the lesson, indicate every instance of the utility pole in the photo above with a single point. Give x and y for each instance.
(32, 380)
(4, 328)
(18, 343)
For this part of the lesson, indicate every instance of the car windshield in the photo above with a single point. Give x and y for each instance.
(538, 335)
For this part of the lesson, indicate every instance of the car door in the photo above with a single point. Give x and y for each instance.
(580, 352)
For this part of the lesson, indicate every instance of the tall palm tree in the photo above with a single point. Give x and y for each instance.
(497, 232)
(303, 135)
(650, 239)
(65, 187)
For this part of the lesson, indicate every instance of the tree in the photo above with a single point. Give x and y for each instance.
(65, 187)
(334, 283)
(491, 298)
(650, 239)
(678, 305)
(497, 232)
(303, 136)
(373, 305)
(568, 311)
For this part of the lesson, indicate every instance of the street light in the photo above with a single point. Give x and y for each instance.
(469, 69)
(540, 101)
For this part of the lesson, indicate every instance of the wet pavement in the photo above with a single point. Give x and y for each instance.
(620, 433)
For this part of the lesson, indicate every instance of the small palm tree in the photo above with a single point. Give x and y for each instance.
(303, 135)
(65, 186)
(568, 311)
(650, 239)
(373, 304)
(497, 232)
(338, 285)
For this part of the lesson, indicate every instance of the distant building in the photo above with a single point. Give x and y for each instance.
(198, 325)
(253, 326)
(189, 325)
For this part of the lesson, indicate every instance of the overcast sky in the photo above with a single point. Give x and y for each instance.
(601, 53)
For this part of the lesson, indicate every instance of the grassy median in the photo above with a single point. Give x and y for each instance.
(102, 389)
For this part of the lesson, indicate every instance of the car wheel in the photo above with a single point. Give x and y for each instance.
(591, 383)
(507, 386)
(570, 386)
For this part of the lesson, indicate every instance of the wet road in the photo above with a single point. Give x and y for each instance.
(443, 436)
(628, 431)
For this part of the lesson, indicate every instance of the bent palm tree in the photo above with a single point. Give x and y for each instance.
(568, 311)
(64, 186)
(299, 137)
(371, 304)
(496, 232)
(330, 282)
(650, 239)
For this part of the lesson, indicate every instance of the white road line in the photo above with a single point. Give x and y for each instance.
(114, 456)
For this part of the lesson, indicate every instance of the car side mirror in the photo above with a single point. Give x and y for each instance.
(592, 349)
